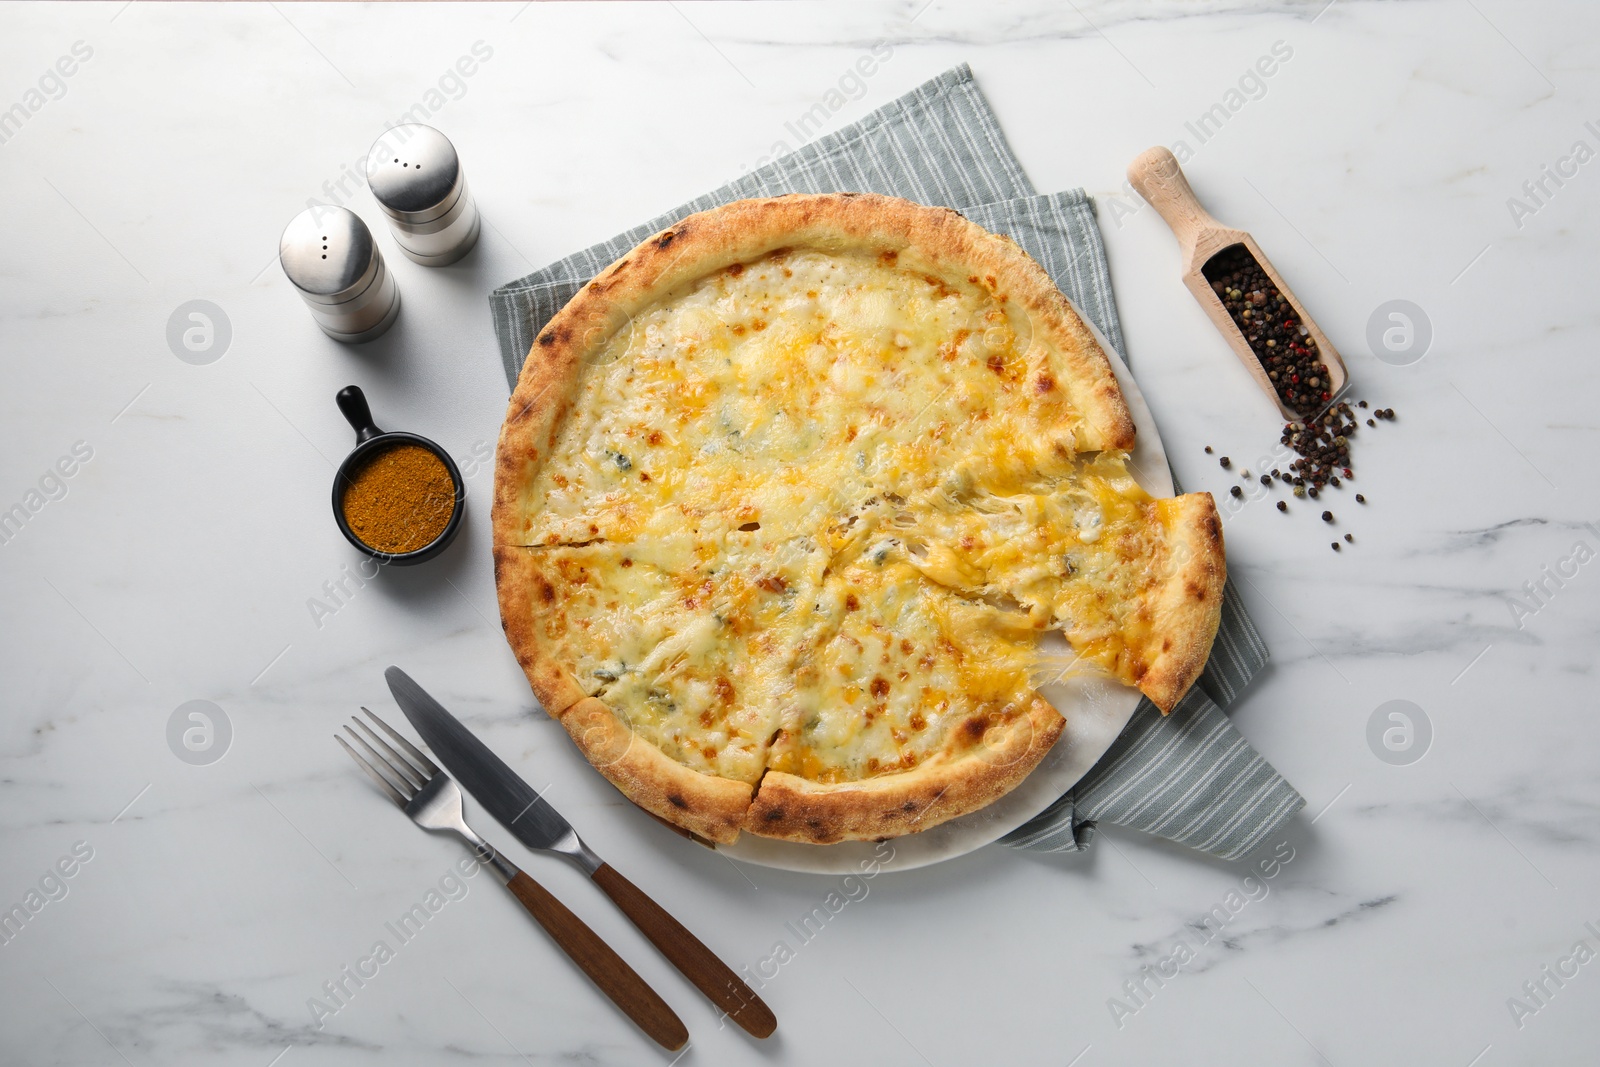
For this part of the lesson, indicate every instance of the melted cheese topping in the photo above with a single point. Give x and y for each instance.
(813, 513)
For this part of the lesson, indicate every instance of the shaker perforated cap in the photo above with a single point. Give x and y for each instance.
(416, 178)
(329, 255)
(414, 173)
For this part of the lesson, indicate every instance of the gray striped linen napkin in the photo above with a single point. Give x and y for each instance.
(1190, 776)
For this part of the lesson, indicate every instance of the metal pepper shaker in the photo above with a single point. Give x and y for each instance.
(416, 177)
(330, 256)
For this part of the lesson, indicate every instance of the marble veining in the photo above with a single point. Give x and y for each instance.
(180, 561)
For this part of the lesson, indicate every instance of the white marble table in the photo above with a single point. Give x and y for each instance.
(178, 560)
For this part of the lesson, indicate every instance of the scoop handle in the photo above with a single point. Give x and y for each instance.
(1155, 173)
(353, 404)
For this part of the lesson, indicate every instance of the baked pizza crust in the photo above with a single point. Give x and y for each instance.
(792, 808)
(1186, 608)
(526, 600)
(714, 808)
(937, 239)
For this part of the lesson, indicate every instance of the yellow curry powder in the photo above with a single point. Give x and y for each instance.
(399, 500)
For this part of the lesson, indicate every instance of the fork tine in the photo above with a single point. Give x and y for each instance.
(376, 777)
(398, 781)
(423, 761)
(398, 762)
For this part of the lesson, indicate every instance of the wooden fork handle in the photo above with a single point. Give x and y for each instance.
(608, 970)
(689, 954)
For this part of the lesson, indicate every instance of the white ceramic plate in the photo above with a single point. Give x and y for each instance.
(1096, 710)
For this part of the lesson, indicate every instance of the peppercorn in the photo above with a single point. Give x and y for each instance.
(1336, 546)
(1350, 538)
(1226, 462)
(1208, 450)
(1282, 506)
(1237, 492)
(1360, 499)
(1327, 516)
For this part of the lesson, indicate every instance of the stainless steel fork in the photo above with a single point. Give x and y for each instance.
(433, 801)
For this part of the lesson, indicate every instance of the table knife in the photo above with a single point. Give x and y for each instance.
(539, 826)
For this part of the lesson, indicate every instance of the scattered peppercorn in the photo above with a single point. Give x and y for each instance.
(1266, 480)
(1327, 516)
(1282, 506)
(1236, 492)
(1336, 546)
(1361, 403)
(1350, 538)
(1300, 491)
(1208, 447)
(1360, 499)
(1226, 462)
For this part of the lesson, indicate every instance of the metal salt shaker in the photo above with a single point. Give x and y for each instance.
(330, 256)
(416, 177)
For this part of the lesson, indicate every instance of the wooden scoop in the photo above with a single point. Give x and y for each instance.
(1159, 179)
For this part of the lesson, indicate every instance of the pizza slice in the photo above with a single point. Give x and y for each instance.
(910, 706)
(1134, 582)
(668, 662)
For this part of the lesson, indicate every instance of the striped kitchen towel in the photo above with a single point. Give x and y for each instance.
(1189, 776)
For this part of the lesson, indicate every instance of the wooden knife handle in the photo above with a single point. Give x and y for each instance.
(597, 960)
(687, 953)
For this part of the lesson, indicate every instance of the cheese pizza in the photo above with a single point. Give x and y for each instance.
(786, 497)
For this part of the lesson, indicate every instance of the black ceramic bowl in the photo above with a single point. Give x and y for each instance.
(369, 442)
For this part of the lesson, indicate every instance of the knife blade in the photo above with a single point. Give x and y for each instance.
(500, 790)
(525, 813)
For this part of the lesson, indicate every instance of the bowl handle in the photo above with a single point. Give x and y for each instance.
(353, 403)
